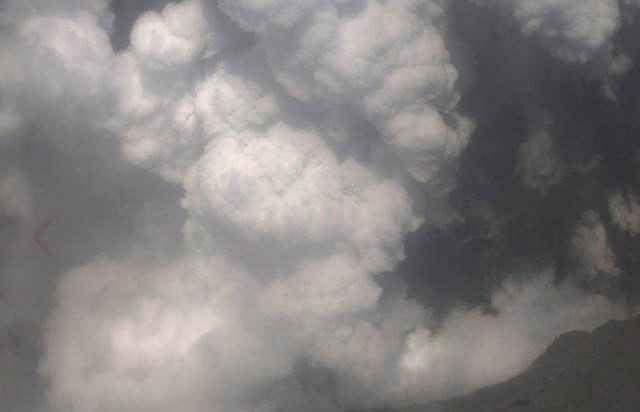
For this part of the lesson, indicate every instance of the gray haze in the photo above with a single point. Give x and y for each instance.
(320, 205)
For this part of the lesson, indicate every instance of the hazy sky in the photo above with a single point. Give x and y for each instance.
(318, 205)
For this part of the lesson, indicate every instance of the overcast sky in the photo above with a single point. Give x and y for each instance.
(318, 205)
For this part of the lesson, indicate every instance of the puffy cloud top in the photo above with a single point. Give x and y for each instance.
(315, 132)
(591, 247)
(386, 58)
(259, 16)
(176, 36)
(286, 187)
(572, 30)
(625, 211)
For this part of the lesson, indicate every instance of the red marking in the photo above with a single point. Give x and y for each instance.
(37, 238)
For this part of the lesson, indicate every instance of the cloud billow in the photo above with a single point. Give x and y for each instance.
(243, 178)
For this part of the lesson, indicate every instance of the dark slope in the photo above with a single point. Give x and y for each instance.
(579, 372)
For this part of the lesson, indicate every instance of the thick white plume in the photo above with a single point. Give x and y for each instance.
(297, 133)
(388, 59)
(205, 336)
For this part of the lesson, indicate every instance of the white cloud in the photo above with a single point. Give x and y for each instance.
(260, 16)
(473, 349)
(176, 36)
(591, 248)
(286, 189)
(9, 125)
(624, 208)
(180, 337)
(388, 59)
(15, 197)
(537, 163)
(204, 335)
(155, 81)
(230, 103)
(260, 138)
(540, 164)
(618, 68)
(620, 65)
(574, 30)
(76, 52)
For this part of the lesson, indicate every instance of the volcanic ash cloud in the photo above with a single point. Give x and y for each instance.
(298, 133)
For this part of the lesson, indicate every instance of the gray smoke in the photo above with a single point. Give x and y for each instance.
(307, 205)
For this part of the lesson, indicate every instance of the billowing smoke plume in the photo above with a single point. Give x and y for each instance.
(231, 186)
(572, 30)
